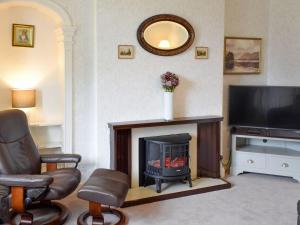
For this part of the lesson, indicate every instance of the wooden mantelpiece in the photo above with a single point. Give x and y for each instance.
(161, 122)
(208, 142)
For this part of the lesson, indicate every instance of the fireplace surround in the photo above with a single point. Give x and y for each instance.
(208, 143)
(207, 153)
(165, 158)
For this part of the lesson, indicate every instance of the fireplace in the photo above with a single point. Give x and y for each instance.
(165, 158)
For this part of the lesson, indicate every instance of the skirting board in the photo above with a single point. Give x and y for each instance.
(142, 195)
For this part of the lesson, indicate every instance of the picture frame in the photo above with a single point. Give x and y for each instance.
(242, 55)
(125, 51)
(201, 53)
(23, 35)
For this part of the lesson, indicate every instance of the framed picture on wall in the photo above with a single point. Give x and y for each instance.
(242, 55)
(23, 35)
(201, 53)
(125, 52)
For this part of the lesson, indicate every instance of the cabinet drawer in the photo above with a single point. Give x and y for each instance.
(284, 164)
(250, 160)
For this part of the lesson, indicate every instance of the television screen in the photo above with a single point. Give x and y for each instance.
(264, 106)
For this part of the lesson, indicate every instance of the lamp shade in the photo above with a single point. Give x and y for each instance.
(23, 98)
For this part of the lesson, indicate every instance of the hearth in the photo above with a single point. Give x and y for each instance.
(167, 159)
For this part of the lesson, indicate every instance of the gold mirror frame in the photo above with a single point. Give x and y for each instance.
(165, 17)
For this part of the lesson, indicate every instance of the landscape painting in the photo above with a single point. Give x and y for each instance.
(201, 53)
(242, 55)
(125, 52)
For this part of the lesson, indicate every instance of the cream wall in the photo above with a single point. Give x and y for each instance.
(284, 65)
(42, 57)
(277, 22)
(82, 13)
(31, 67)
(130, 89)
(245, 19)
(106, 89)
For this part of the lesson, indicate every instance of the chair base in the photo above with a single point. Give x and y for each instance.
(43, 213)
(82, 219)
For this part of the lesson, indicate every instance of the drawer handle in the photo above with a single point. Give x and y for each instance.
(250, 161)
(285, 165)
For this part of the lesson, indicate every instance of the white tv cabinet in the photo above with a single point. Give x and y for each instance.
(254, 152)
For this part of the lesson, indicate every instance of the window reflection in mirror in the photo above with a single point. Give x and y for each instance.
(166, 35)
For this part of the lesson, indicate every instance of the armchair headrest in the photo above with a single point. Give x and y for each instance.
(13, 125)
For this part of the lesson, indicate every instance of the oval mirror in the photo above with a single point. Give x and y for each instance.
(165, 35)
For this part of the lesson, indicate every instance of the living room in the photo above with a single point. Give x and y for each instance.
(90, 72)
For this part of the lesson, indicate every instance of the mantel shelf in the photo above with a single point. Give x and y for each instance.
(162, 122)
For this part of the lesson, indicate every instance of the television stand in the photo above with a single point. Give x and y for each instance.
(268, 151)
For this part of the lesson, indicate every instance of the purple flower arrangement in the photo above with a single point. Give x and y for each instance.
(169, 81)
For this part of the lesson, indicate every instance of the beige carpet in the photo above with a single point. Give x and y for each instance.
(253, 200)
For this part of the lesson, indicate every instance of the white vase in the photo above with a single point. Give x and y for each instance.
(168, 106)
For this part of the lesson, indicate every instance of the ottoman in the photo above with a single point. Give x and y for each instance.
(104, 187)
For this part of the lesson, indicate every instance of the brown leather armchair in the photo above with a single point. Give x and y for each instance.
(30, 192)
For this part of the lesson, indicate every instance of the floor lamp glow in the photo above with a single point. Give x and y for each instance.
(23, 99)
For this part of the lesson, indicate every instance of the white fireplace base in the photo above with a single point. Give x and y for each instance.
(170, 188)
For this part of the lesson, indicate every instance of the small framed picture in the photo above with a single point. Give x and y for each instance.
(201, 53)
(23, 35)
(125, 52)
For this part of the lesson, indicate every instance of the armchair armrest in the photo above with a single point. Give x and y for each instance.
(60, 158)
(21, 180)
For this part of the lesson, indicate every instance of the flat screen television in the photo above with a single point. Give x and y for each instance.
(264, 106)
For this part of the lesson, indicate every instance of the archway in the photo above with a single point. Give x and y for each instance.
(64, 33)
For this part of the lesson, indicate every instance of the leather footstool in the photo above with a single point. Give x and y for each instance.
(104, 187)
